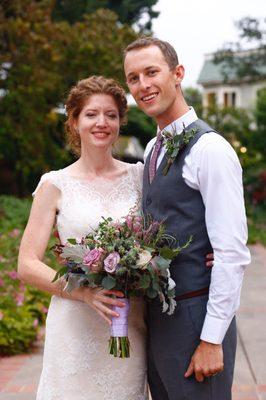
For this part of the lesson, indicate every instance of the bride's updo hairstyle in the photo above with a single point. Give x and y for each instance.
(78, 96)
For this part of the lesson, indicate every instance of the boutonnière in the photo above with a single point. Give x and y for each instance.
(174, 143)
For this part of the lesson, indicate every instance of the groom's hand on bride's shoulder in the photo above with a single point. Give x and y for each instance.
(206, 361)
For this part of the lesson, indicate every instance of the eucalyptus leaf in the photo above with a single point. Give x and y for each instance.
(75, 253)
(162, 263)
(108, 282)
(94, 278)
(151, 293)
(145, 281)
(155, 285)
(72, 282)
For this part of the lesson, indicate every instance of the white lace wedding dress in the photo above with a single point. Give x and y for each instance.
(76, 362)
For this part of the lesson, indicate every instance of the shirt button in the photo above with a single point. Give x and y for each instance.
(148, 201)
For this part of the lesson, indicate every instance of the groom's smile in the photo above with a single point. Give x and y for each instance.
(148, 98)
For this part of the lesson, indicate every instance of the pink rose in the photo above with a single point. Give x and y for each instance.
(111, 262)
(1, 282)
(93, 258)
(1, 315)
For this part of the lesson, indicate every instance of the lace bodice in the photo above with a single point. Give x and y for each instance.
(82, 203)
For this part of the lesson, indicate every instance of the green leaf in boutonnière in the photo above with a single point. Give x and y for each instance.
(174, 143)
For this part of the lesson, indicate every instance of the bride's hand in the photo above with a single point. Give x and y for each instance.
(99, 299)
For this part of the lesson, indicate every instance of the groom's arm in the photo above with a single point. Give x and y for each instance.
(218, 176)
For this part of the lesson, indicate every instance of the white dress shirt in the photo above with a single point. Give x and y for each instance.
(213, 168)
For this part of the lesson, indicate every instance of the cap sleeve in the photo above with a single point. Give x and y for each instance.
(138, 174)
(52, 177)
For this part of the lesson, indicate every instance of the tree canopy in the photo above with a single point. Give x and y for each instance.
(40, 59)
(247, 56)
(129, 12)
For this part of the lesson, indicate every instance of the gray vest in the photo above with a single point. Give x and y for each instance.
(181, 208)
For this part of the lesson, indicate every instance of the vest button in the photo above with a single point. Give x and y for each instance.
(148, 201)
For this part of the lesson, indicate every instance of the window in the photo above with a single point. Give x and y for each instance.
(225, 100)
(211, 98)
(233, 99)
(229, 99)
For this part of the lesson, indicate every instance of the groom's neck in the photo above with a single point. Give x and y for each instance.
(177, 110)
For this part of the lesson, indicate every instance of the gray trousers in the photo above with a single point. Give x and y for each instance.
(172, 342)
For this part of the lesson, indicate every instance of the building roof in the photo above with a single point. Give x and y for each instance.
(212, 73)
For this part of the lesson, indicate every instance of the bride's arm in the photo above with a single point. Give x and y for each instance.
(32, 269)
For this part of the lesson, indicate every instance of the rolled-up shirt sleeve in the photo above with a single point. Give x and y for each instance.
(218, 175)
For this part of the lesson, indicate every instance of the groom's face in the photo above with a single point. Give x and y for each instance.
(151, 82)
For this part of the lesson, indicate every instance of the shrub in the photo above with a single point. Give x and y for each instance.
(22, 308)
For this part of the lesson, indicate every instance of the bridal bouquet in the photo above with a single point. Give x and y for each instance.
(132, 256)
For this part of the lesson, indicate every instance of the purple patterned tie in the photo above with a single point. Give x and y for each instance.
(155, 155)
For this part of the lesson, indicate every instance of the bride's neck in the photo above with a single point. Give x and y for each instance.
(96, 161)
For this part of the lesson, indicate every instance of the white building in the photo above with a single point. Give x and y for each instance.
(234, 92)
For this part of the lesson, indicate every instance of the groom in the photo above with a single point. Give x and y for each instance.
(191, 353)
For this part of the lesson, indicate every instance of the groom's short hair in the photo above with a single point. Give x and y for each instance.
(166, 48)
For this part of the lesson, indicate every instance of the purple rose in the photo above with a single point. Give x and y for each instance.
(93, 257)
(111, 262)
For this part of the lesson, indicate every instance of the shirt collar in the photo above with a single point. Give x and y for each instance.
(185, 120)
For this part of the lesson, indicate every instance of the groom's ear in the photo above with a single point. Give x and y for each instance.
(179, 73)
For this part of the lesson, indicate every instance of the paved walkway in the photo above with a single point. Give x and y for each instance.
(19, 375)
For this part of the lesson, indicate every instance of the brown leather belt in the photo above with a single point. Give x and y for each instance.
(196, 293)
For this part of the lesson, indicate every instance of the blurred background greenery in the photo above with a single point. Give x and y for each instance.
(45, 47)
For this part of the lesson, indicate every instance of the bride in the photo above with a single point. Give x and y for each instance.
(76, 363)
